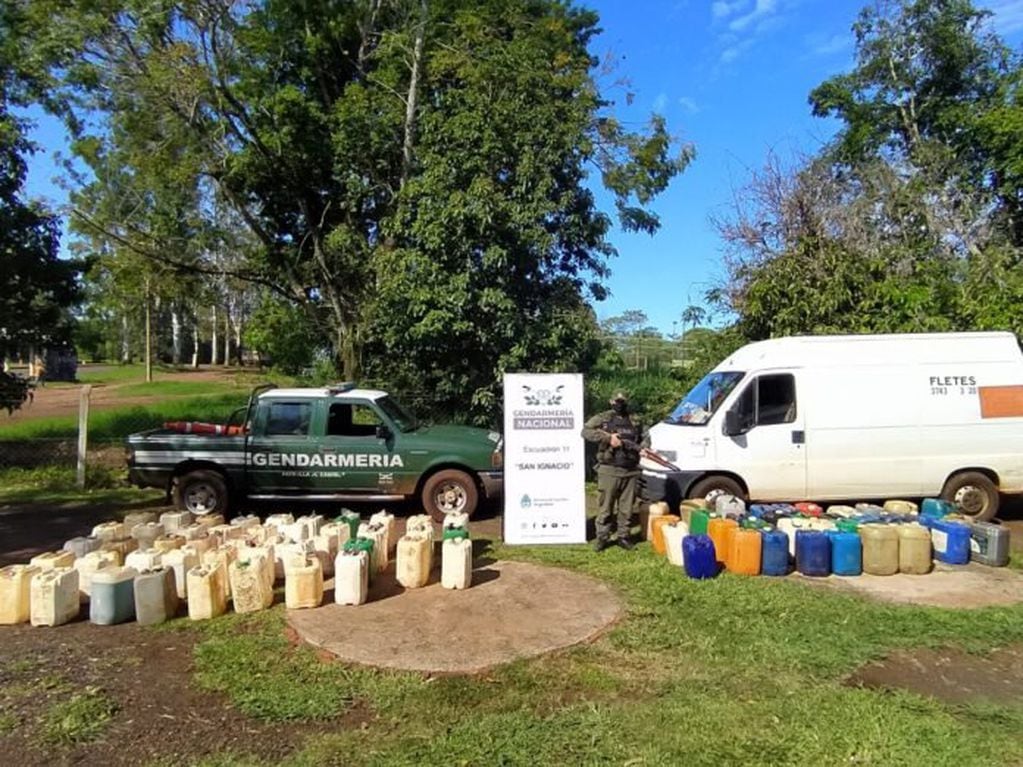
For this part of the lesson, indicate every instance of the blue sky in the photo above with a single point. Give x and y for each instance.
(730, 76)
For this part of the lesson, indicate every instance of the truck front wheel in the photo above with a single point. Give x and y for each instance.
(711, 487)
(974, 493)
(449, 492)
(201, 492)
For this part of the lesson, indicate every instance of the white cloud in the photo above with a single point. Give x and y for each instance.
(1008, 15)
(723, 9)
(830, 46)
(660, 102)
(761, 11)
(736, 49)
(689, 105)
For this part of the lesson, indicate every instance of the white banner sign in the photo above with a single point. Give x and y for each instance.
(544, 491)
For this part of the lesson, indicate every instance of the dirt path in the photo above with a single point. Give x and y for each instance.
(60, 400)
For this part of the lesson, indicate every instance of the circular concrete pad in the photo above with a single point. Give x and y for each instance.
(966, 586)
(513, 610)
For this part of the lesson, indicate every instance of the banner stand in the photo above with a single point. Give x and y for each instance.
(544, 459)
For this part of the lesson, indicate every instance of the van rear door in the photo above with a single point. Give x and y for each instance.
(771, 453)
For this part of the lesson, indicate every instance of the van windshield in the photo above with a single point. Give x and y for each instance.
(697, 407)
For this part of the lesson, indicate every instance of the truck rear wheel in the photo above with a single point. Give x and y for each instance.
(449, 492)
(709, 488)
(974, 493)
(201, 492)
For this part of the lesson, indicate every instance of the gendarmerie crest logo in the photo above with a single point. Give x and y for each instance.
(542, 410)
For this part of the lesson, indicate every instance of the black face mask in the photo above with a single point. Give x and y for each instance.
(619, 407)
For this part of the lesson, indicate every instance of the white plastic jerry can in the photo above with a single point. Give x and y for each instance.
(413, 561)
(54, 596)
(456, 520)
(312, 524)
(657, 509)
(729, 506)
(206, 592)
(16, 593)
(285, 552)
(377, 533)
(89, 565)
(210, 520)
(156, 596)
(82, 545)
(246, 521)
(303, 583)
(351, 578)
(193, 531)
(249, 589)
(135, 518)
(261, 557)
(180, 561)
(51, 560)
(173, 521)
(221, 558)
(339, 532)
(385, 518)
(146, 533)
(673, 535)
(143, 559)
(109, 531)
(325, 548)
(456, 563)
(278, 522)
(221, 534)
(169, 541)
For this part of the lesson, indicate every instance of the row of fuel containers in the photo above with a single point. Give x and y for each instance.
(144, 567)
(844, 540)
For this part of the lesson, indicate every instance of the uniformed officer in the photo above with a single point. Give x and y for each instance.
(619, 440)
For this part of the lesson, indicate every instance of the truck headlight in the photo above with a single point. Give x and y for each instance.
(497, 459)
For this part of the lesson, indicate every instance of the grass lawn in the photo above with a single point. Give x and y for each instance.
(730, 671)
(114, 424)
(57, 485)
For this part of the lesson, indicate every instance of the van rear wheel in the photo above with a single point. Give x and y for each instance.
(709, 488)
(201, 492)
(974, 494)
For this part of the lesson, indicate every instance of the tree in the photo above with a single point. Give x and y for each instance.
(414, 172)
(37, 288)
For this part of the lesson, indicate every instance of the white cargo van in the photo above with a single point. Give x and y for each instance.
(851, 418)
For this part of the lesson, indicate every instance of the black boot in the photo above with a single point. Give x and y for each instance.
(600, 544)
(626, 543)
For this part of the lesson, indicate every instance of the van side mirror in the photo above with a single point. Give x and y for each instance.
(383, 432)
(734, 424)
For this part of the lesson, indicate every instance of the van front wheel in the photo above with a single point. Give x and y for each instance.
(973, 493)
(710, 488)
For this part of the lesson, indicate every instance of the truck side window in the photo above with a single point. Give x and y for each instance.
(776, 399)
(347, 420)
(289, 418)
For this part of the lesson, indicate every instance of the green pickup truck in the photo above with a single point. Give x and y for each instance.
(338, 443)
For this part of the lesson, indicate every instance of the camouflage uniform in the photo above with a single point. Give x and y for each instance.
(617, 470)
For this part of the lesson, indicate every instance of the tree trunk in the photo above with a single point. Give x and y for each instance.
(175, 334)
(213, 340)
(227, 336)
(238, 337)
(125, 341)
(195, 344)
(412, 100)
(149, 337)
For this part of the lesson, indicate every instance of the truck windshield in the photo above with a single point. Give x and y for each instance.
(404, 420)
(697, 407)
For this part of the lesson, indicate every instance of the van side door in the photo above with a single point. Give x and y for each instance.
(770, 452)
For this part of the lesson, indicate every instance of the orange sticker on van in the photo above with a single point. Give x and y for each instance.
(1001, 401)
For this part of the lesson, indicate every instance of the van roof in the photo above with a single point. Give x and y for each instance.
(862, 350)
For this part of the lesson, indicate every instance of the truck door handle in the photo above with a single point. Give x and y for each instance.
(326, 449)
(798, 437)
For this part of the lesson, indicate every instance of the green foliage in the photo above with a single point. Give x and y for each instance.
(281, 334)
(81, 719)
(415, 178)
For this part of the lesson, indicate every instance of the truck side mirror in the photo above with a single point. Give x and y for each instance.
(383, 432)
(733, 424)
